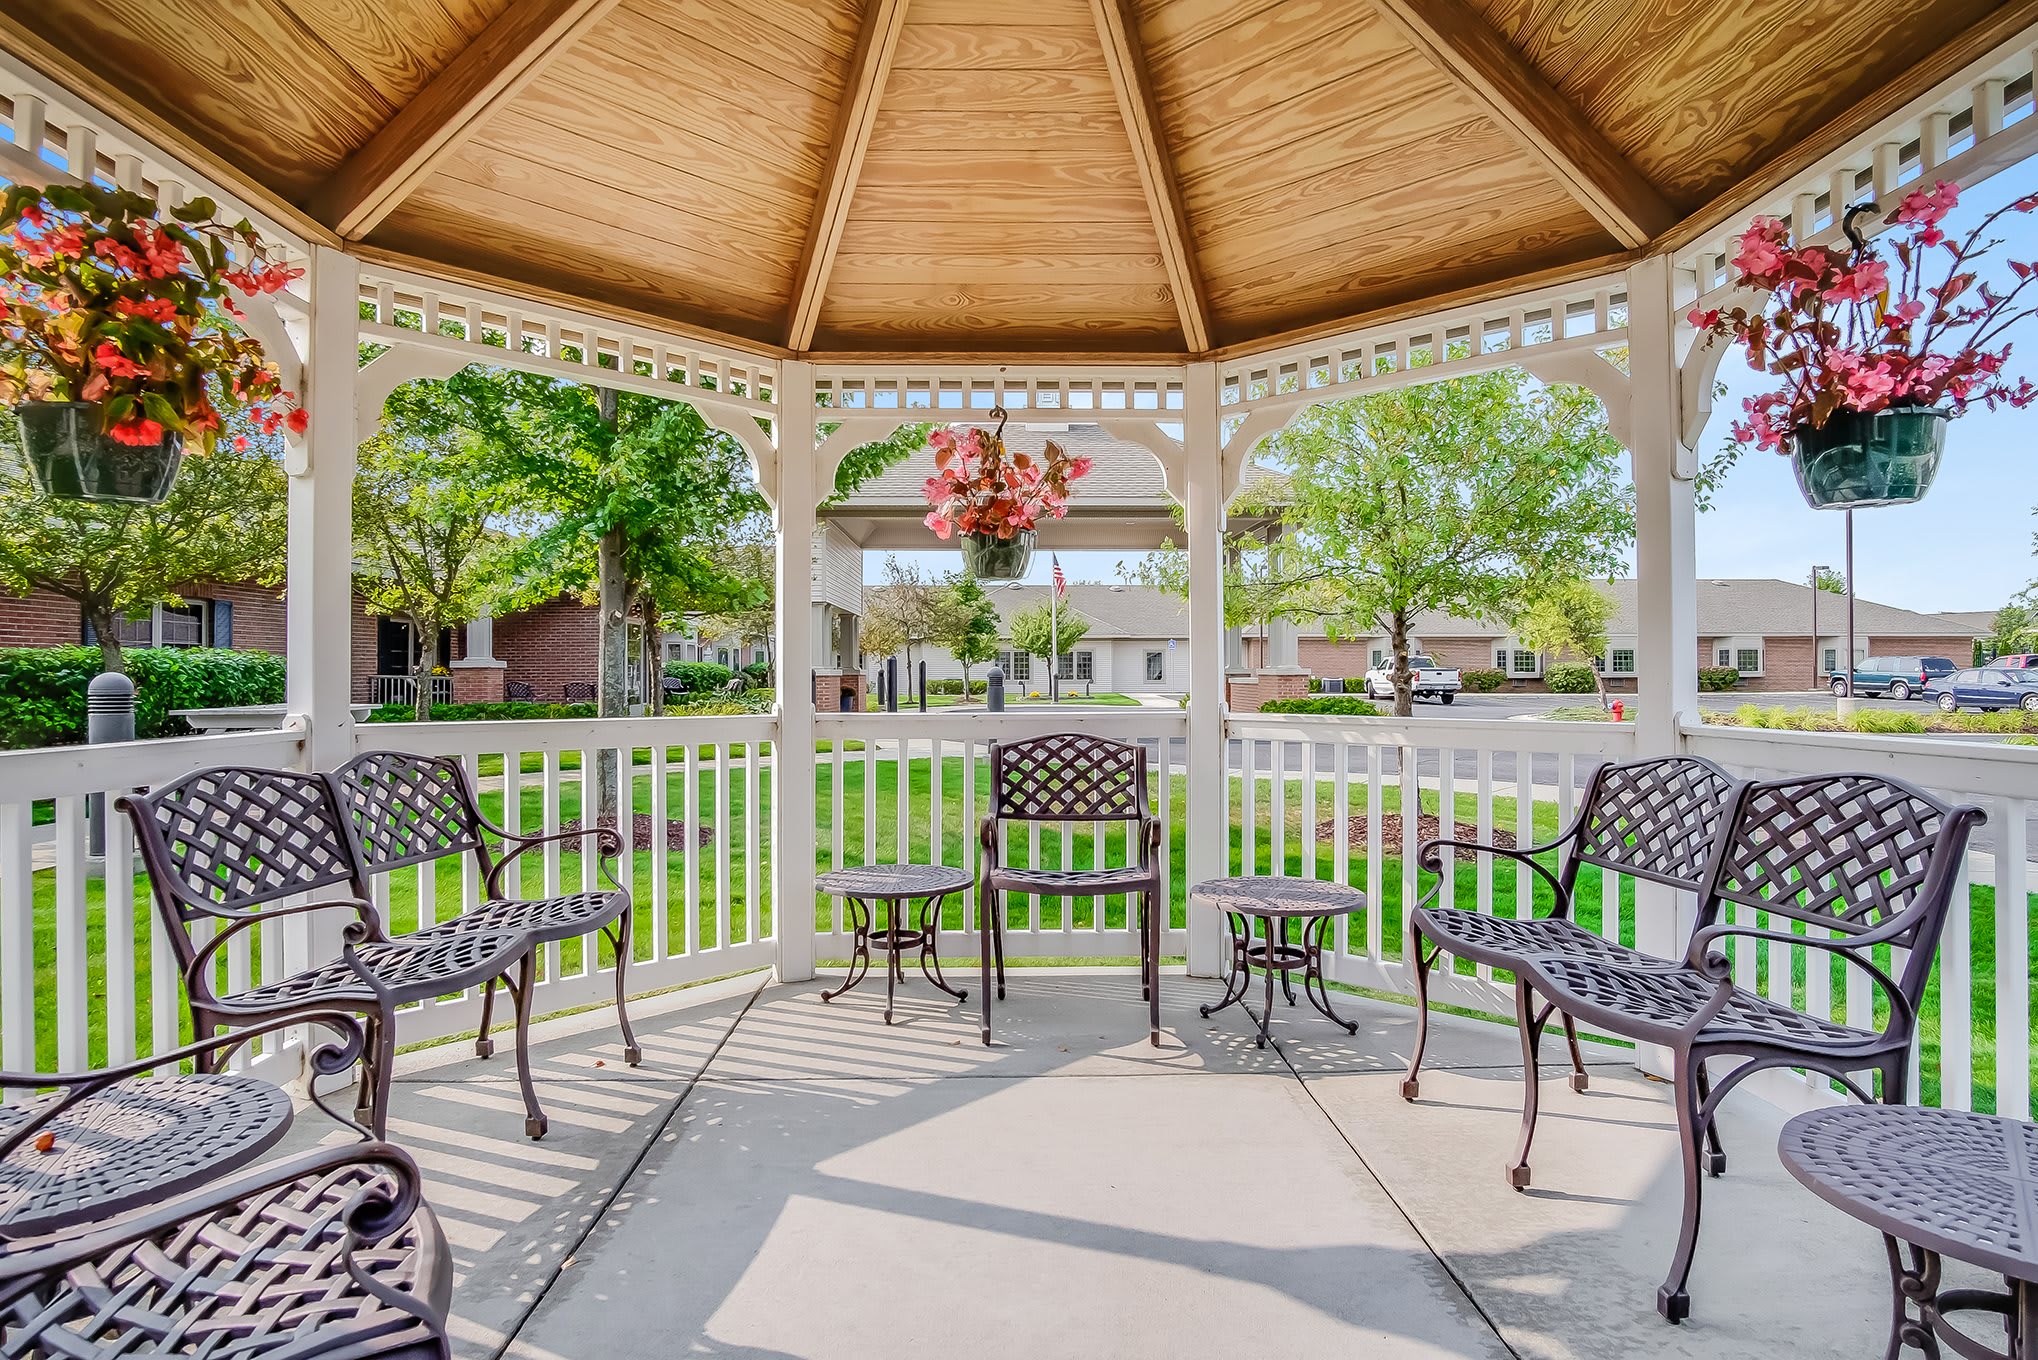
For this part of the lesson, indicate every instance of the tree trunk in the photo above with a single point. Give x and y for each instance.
(424, 638)
(1599, 682)
(1404, 680)
(106, 628)
(612, 678)
(654, 662)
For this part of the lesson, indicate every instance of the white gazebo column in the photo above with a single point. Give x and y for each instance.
(319, 553)
(1666, 575)
(1207, 837)
(792, 773)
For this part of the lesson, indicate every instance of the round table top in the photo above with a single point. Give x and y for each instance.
(1257, 896)
(1962, 1185)
(138, 1141)
(894, 880)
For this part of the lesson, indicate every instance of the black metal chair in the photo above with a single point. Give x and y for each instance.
(332, 1252)
(1652, 819)
(1074, 777)
(406, 809)
(225, 847)
(578, 692)
(519, 692)
(1871, 860)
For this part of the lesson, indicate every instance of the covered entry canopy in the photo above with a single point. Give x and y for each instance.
(1150, 179)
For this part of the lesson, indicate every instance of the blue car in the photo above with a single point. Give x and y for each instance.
(1987, 689)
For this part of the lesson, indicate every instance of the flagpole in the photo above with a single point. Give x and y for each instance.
(1054, 641)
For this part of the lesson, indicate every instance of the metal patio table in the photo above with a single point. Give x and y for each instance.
(863, 887)
(133, 1143)
(1936, 1183)
(1274, 902)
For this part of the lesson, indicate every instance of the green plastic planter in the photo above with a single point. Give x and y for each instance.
(73, 461)
(1857, 461)
(989, 558)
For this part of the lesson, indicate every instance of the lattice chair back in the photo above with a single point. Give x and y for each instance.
(1652, 819)
(407, 809)
(223, 842)
(1852, 853)
(1068, 776)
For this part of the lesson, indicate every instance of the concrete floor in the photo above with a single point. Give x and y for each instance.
(787, 1178)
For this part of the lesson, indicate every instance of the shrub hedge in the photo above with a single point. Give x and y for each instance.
(954, 686)
(1342, 705)
(1718, 679)
(1570, 677)
(697, 676)
(503, 712)
(1484, 682)
(42, 689)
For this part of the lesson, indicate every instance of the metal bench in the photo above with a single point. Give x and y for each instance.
(1651, 819)
(406, 809)
(1072, 777)
(1862, 862)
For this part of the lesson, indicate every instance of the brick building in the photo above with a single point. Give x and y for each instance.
(1762, 628)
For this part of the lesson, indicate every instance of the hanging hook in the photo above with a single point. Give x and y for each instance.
(999, 414)
(1854, 234)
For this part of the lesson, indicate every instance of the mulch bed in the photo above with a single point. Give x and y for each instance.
(640, 831)
(1427, 828)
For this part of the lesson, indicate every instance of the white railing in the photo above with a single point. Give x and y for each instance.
(702, 909)
(402, 689)
(1975, 1047)
(862, 819)
(1307, 788)
(87, 976)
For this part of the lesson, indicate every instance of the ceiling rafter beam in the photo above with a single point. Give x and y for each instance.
(485, 75)
(1118, 26)
(868, 69)
(1452, 36)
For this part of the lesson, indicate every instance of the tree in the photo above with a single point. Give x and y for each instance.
(1037, 630)
(1570, 617)
(2016, 626)
(1471, 496)
(1830, 581)
(899, 614)
(750, 557)
(965, 621)
(1257, 586)
(222, 522)
(426, 546)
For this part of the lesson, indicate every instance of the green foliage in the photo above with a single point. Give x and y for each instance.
(699, 676)
(963, 619)
(2020, 741)
(1718, 679)
(504, 712)
(866, 461)
(1588, 713)
(1882, 721)
(1037, 630)
(955, 687)
(1570, 677)
(42, 689)
(1875, 720)
(1482, 681)
(723, 705)
(1342, 705)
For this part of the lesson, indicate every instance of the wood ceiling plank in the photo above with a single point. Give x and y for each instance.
(869, 69)
(1013, 206)
(1453, 36)
(1324, 169)
(1171, 25)
(996, 93)
(394, 46)
(946, 232)
(951, 48)
(486, 74)
(951, 268)
(1294, 57)
(1082, 132)
(945, 176)
(983, 13)
(1352, 100)
(735, 48)
(1118, 29)
(788, 34)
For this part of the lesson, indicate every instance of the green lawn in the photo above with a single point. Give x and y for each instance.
(444, 886)
(1014, 698)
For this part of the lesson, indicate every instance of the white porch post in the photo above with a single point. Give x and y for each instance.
(1666, 575)
(792, 776)
(319, 555)
(1208, 837)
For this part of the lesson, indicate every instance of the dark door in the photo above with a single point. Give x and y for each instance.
(392, 647)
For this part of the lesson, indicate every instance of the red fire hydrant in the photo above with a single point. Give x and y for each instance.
(1617, 710)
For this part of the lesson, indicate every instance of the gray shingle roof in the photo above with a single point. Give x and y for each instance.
(1112, 611)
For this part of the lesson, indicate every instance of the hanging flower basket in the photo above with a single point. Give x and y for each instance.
(71, 459)
(1858, 460)
(990, 558)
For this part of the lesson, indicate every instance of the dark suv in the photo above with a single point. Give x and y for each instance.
(1897, 677)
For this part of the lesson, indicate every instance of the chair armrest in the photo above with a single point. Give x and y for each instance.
(1705, 958)
(326, 1060)
(608, 845)
(1430, 861)
(367, 925)
(987, 840)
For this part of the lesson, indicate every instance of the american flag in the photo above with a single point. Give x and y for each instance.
(1061, 582)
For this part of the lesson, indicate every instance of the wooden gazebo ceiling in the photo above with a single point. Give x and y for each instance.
(1136, 177)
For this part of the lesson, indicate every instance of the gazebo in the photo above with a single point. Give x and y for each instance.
(1183, 221)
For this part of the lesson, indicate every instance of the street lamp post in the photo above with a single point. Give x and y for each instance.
(1816, 569)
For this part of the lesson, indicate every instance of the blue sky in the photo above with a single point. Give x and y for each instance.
(1967, 545)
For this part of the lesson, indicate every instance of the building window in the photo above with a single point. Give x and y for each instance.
(1156, 667)
(1748, 661)
(1499, 658)
(1379, 657)
(1832, 660)
(1075, 666)
(1524, 662)
(167, 625)
(1016, 665)
(1623, 661)
(1724, 657)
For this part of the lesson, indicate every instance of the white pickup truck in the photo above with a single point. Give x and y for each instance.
(1426, 678)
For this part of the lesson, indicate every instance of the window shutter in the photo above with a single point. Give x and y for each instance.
(222, 623)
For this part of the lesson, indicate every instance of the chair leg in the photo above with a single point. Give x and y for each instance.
(1673, 1300)
(535, 1123)
(1411, 1081)
(633, 1052)
(1578, 1078)
(484, 1047)
(381, 1073)
(987, 908)
(1715, 1155)
(1531, 1023)
(1150, 947)
(364, 1091)
(998, 944)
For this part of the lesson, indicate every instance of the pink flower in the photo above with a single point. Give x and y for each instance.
(109, 358)
(941, 438)
(297, 421)
(1866, 387)
(1860, 283)
(1928, 206)
(1706, 320)
(941, 527)
(139, 432)
(1765, 247)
